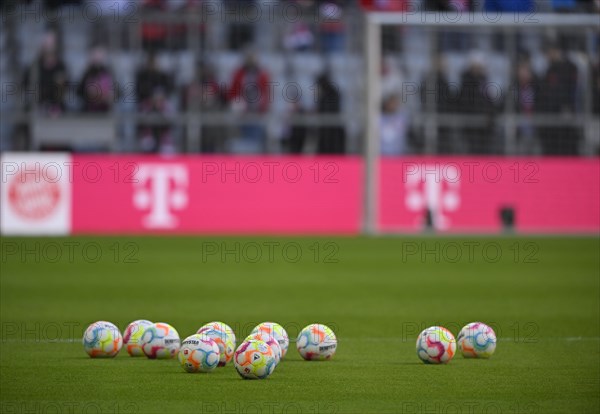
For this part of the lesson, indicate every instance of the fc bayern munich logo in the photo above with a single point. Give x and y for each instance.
(33, 196)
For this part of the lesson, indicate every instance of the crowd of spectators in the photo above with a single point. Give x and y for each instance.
(551, 96)
(158, 97)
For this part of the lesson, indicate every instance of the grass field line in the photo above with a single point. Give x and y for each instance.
(385, 339)
(516, 340)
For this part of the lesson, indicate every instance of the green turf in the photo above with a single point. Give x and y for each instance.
(543, 303)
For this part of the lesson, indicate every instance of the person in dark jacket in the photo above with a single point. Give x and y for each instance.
(150, 78)
(474, 100)
(96, 88)
(558, 97)
(47, 76)
(596, 87)
(330, 139)
(437, 88)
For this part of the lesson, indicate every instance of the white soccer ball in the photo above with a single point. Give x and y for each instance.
(269, 340)
(316, 342)
(477, 340)
(160, 341)
(132, 335)
(277, 332)
(102, 340)
(436, 345)
(198, 353)
(220, 326)
(224, 341)
(254, 360)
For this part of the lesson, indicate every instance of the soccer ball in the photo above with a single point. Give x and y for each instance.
(269, 340)
(277, 332)
(220, 326)
(102, 340)
(224, 341)
(477, 340)
(198, 353)
(316, 342)
(133, 334)
(436, 345)
(160, 341)
(254, 360)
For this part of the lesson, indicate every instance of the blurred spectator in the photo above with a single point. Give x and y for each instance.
(330, 139)
(558, 93)
(394, 126)
(298, 38)
(47, 77)
(596, 104)
(596, 87)
(474, 100)
(392, 77)
(204, 94)
(332, 27)
(250, 94)
(512, 6)
(150, 78)
(153, 90)
(528, 94)
(97, 88)
(436, 87)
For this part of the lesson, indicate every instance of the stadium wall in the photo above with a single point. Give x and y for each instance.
(104, 194)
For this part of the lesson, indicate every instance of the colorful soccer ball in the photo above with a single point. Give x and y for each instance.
(160, 341)
(198, 353)
(132, 335)
(220, 326)
(269, 340)
(277, 332)
(254, 360)
(316, 342)
(436, 345)
(102, 340)
(477, 340)
(224, 341)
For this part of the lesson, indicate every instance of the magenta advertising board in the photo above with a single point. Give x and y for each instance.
(467, 194)
(132, 194)
(231, 195)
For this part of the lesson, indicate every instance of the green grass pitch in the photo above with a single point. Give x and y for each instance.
(541, 294)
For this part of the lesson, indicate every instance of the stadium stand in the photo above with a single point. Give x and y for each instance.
(326, 42)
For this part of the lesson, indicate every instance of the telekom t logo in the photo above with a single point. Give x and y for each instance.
(161, 189)
(435, 187)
